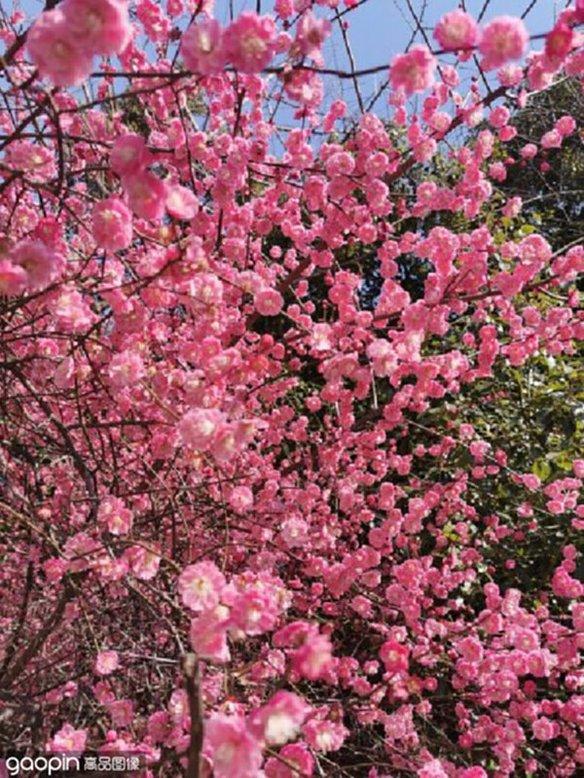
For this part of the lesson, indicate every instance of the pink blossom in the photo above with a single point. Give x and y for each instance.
(116, 516)
(58, 54)
(13, 278)
(394, 656)
(414, 71)
(146, 194)
(200, 586)
(181, 203)
(129, 155)
(313, 659)
(101, 26)
(202, 47)
(106, 662)
(504, 39)
(41, 264)
(208, 635)
(544, 729)
(232, 749)
(112, 224)
(311, 32)
(68, 740)
(268, 302)
(126, 369)
(558, 43)
(457, 31)
(297, 756)
(280, 719)
(324, 736)
(144, 563)
(250, 42)
(241, 499)
(199, 426)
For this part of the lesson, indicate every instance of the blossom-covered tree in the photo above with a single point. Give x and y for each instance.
(290, 460)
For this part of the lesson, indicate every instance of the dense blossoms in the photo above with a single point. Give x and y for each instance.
(290, 464)
(63, 41)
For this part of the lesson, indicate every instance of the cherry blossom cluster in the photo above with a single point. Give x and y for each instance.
(252, 519)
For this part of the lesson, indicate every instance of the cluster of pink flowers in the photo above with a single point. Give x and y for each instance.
(248, 44)
(64, 40)
(243, 336)
(30, 266)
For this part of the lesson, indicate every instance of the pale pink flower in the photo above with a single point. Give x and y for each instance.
(181, 203)
(504, 39)
(100, 26)
(198, 427)
(114, 513)
(143, 562)
(250, 42)
(280, 719)
(241, 499)
(457, 31)
(129, 155)
(202, 47)
(112, 224)
(413, 71)
(208, 635)
(232, 749)
(146, 194)
(68, 740)
(126, 369)
(200, 585)
(106, 662)
(57, 53)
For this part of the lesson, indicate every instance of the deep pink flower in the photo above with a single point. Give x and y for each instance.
(100, 26)
(112, 224)
(146, 194)
(57, 53)
(129, 155)
(297, 756)
(413, 71)
(202, 47)
(268, 302)
(232, 749)
(457, 31)
(504, 39)
(250, 42)
(42, 264)
(13, 278)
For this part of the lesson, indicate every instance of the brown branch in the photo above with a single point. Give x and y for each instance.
(192, 673)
